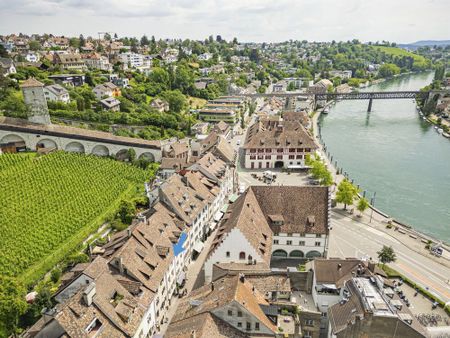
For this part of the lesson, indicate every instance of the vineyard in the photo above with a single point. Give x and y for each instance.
(49, 204)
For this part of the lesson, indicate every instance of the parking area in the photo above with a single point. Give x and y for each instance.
(421, 308)
(255, 177)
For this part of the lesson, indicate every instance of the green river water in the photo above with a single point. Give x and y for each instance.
(393, 152)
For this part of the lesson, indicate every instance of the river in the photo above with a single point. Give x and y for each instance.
(392, 152)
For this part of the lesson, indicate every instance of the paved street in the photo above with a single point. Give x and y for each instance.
(351, 237)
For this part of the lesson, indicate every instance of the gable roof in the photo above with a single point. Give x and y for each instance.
(297, 206)
(337, 271)
(31, 82)
(227, 290)
(246, 215)
(269, 133)
(204, 325)
(56, 89)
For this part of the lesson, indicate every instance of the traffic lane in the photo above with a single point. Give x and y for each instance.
(350, 239)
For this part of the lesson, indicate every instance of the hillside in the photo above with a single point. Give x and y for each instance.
(395, 51)
(50, 204)
(423, 43)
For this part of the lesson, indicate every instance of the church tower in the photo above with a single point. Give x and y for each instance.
(33, 94)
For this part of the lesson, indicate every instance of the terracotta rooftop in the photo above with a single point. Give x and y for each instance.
(204, 325)
(226, 290)
(31, 82)
(292, 206)
(269, 133)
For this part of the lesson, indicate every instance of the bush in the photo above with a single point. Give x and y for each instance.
(55, 275)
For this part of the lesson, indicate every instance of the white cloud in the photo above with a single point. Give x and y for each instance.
(248, 20)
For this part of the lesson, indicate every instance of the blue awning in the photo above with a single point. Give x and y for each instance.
(179, 246)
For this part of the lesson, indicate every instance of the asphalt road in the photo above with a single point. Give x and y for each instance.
(351, 238)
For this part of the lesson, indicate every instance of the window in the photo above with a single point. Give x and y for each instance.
(275, 241)
(291, 157)
(292, 150)
(289, 234)
(317, 244)
(249, 326)
(253, 150)
(242, 255)
(267, 164)
(318, 235)
(252, 157)
(230, 313)
(302, 234)
(239, 313)
(300, 150)
(268, 150)
(307, 334)
(302, 243)
(298, 157)
(279, 150)
(228, 254)
(279, 157)
(323, 314)
(309, 322)
(256, 326)
(260, 157)
(288, 242)
(239, 324)
(268, 157)
(259, 165)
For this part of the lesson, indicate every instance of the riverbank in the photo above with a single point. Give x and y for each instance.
(404, 233)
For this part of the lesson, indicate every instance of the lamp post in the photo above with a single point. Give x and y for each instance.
(372, 202)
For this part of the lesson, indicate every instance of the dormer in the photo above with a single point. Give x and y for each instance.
(311, 220)
(277, 219)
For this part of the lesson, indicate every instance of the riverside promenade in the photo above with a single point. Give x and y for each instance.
(362, 236)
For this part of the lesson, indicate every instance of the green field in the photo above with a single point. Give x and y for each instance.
(50, 204)
(400, 52)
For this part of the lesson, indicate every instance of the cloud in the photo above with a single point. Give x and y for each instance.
(248, 20)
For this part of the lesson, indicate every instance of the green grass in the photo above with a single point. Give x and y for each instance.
(50, 204)
(400, 52)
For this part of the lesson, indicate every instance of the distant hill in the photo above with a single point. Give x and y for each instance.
(423, 43)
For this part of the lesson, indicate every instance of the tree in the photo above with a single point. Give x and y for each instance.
(126, 211)
(12, 304)
(145, 41)
(82, 40)
(387, 255)
(363, 204)
(346, 193)
(3, 52)
(34, 45)
(389, 70)
(177, 101)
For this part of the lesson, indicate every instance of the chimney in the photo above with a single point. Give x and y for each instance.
(339, 266)
(128, 232)
(371, 266)
(242, 277)
(212, 286)
(193, 335)
(88, 294)
(48, 314)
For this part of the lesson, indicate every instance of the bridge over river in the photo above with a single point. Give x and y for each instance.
(378, 95)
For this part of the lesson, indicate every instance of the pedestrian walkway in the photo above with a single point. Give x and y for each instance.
(194, 271)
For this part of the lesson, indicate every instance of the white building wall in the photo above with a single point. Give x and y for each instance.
(246, 317)
(234, 243)
(303, 242)
(267, 160)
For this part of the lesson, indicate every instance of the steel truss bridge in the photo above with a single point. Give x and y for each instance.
(386, 95)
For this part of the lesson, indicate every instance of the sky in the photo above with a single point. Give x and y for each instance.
(399, 21)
